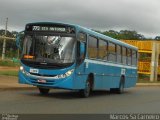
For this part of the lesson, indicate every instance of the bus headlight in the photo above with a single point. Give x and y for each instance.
(68, 73)
(21, 68)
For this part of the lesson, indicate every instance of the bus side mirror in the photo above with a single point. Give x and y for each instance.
(19, 39)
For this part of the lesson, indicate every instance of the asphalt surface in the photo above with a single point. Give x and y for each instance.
(134, 100)
(11, 82)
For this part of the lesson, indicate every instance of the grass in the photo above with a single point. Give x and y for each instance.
(9, 63)
(9, 73)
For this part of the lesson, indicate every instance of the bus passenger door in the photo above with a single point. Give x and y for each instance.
(19, 40)
(81, 76)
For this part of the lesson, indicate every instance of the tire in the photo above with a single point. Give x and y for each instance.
(112, 90)
(44, 91)
(86, 91)
(120, 90)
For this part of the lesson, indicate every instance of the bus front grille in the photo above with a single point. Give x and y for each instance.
(42, 75)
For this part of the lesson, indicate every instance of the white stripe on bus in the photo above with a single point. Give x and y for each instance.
(109, 64)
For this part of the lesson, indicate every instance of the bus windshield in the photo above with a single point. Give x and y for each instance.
(48, 49)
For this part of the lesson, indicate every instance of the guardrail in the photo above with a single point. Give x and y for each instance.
(143, 46)
(144, 67)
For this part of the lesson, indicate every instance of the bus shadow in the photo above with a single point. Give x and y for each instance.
(76, 95)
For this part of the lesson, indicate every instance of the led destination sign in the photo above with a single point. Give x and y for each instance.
(41, 28)
(50, 28)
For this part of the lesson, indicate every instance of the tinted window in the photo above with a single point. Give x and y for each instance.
(134, 57)
(92, 47)
(82, 37)
(124, 55)
(129, 56)
(102, 51)
(119, 54)
(111, 52)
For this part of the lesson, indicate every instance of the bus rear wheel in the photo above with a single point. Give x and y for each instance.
(120, 90)
(43, 91)
(86, 91)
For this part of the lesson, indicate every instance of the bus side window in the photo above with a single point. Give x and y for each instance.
(124, 55)
(119, 54)
(129, 56)
(134, 57)
(102, 50)
(112, 52)
(92, 47)
(82, 37)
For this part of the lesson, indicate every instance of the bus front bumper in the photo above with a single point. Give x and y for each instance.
(64, 83)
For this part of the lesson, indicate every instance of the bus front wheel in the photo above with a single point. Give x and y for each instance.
(86, 91)
(43, 91)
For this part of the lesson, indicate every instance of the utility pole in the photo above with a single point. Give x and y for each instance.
(157, 61)
(154, 61)
(4, 42)
(152, 76)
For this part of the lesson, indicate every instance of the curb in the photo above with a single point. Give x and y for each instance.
(147, 84)
(17, 88)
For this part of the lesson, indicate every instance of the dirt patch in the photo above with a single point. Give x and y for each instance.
(11, 83)
(8, 79)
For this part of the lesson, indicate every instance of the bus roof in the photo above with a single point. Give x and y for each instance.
(91, 32)
(107, 38)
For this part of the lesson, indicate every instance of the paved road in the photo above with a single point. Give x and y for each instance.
(135, 100)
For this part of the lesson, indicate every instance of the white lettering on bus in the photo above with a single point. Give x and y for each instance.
(57, 29)
(36, 28)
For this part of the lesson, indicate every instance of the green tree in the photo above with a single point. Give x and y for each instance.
(124, 34)
(112, 33)
(157, 38)
(11, 48)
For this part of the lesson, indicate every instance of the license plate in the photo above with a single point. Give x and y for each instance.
(41, 81)
(34, 70)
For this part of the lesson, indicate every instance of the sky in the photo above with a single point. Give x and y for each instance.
(142, 16)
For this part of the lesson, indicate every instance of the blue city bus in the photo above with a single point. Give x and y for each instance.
(68, 56)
